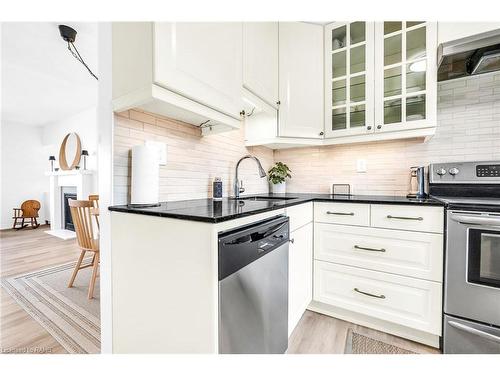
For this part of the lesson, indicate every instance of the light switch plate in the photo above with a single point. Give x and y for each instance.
(161, 148)
(361, 166)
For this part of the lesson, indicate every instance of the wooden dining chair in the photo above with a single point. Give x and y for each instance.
(94, 198)
(82, 220)
(28, 211)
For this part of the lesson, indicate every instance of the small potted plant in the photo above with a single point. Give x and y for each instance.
(277, 176)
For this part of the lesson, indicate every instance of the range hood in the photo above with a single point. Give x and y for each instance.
(468, 56)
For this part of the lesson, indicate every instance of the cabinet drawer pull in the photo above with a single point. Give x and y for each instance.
(420, 218)
(340, 213)
(368, 248)
(381, 296)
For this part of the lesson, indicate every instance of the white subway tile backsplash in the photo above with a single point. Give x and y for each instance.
(193, 161)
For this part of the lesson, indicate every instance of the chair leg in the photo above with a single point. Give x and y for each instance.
(15, 223)
(94, 275)
(36, 223)
(77, 268)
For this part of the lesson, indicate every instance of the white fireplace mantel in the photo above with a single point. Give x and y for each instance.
(82, 180)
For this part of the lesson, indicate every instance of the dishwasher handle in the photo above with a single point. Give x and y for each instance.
(258, 235)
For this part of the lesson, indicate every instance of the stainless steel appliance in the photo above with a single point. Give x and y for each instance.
(471, 191)
(253, 288)
(417, 183)
(472, 55)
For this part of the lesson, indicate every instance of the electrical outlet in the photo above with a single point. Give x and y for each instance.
(361, 166)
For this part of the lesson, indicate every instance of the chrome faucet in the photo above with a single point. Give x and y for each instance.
(238, 185)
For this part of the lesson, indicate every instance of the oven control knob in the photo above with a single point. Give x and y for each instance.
(441, 171)
(454, 171)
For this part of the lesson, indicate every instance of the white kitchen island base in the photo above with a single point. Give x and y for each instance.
(165, 282)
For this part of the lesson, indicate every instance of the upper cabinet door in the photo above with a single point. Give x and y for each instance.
(260, 60)
(201, 61)
(406, 75)
(301, 80)
(349, 78)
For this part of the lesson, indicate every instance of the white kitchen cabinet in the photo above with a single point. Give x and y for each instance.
(405, 76)
(202, 61)
(190, 72)
(448, 31)
(380, 81)
(299, 215)
(260, 60)
(381, 266)
(407, 301)
(349, 66)
(300, 266)
(301, 80)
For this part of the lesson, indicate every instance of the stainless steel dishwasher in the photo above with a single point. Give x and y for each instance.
(253, 288)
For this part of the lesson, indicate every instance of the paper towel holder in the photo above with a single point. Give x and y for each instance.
(144, 177)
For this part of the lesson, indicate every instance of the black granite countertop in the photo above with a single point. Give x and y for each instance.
(216, 211)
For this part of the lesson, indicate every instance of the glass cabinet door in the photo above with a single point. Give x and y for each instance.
(405, 65)
(349, 66)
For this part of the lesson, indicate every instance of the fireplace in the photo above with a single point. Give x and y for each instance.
(67, 194)
(64, 185)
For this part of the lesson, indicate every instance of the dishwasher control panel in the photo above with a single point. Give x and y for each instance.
(242, 246)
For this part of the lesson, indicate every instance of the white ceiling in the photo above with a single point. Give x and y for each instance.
(41, 81)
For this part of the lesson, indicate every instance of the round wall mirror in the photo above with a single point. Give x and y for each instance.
(71, 150)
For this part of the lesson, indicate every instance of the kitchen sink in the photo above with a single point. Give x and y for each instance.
(260, 198)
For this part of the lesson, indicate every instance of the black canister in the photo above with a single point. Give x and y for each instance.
(217, 188)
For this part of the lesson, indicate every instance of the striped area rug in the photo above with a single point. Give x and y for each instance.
(65, 313)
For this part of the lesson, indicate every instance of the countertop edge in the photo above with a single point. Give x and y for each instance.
(289, 203)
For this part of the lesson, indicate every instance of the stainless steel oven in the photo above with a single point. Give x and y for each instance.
(472, 279)
(471, 194)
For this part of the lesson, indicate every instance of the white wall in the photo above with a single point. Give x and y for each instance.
(84, 124)
(24, 162)
(25, 153)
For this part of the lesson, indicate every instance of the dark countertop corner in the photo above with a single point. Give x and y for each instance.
(215, 211)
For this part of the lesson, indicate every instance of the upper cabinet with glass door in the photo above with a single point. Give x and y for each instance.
(349, 73)
(405, 76)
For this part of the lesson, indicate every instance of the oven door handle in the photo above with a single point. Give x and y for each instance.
(474, 331)
(476, 220)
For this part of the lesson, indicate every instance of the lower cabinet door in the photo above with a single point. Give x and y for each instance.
(300, 264)
(402, 300)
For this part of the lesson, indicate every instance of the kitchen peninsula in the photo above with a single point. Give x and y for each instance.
(167, 258)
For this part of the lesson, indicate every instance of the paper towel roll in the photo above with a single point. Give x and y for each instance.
(145, 176)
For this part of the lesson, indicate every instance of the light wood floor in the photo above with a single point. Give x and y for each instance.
(24, 251)
(321, 334)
